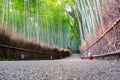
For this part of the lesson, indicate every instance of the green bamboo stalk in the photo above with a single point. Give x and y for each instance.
(3, 14)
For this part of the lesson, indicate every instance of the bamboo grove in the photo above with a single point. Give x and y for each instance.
(64, 23)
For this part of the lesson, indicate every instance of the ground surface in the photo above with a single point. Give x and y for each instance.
(71, 68)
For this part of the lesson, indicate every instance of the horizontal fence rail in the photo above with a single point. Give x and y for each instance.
(21, 49)
(13, 53)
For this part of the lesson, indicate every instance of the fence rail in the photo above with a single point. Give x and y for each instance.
(110, 28)
(107, 46)
(21, 49)
(13, 53)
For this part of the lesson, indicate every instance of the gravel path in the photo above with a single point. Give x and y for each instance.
(71, 68)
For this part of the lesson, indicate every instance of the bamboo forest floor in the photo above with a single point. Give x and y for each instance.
(71, 68)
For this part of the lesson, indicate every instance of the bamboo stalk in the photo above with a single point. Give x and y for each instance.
(3, 14)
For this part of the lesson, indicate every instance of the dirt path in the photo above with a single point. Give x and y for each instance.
(72, 57)
(71, 68)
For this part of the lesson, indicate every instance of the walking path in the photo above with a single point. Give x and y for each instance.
(71, 68)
